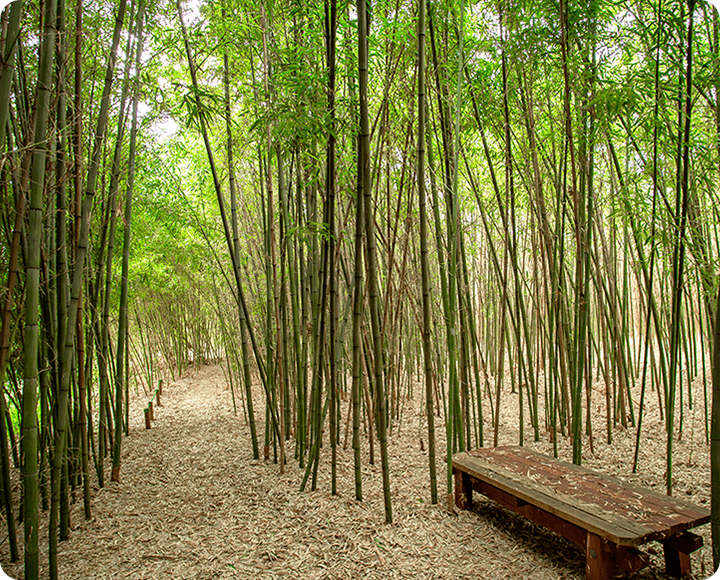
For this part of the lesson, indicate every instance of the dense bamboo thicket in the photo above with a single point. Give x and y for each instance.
(343, 201)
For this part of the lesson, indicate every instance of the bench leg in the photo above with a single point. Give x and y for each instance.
(677, 564)
(599, 559)
(677, 553)
(463, 490)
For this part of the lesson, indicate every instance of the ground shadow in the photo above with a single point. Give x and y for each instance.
(557, 552)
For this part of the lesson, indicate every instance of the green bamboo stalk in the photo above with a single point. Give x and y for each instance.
(715, 441)
(457, 428)
(61, 245)
(331, 38)
(364, 164)
(32, 289)
(122, 346)
(319, 365)
(45, 390)
(424, 262)
(236, 252)
(295, 258)
(277, 373)
(680, 218)
(8, 67)
(12, 36)
(126, 420)
(559, 325)
(79, 267)
(298, 345)
(703, 364)
(440, 244)
(303, 291)
(474, 348)
(358, 290)
(579, 216)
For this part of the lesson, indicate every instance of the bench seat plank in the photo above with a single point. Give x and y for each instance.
(616, 511)
(619, 531)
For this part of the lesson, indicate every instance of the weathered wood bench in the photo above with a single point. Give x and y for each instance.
(607, 517)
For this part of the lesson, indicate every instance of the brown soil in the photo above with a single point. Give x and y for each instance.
(192, 503)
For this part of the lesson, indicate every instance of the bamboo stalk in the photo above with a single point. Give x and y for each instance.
(32, 268)
(424, 261)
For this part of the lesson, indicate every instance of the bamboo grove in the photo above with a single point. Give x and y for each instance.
(352, 204)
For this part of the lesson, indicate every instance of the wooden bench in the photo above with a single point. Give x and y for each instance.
(607, 517)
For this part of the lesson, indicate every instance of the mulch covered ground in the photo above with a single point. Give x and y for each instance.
(192, 503)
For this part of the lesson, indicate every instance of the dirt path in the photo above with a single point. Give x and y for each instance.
(193, 504)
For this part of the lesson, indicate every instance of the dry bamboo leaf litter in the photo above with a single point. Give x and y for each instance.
(193, 504)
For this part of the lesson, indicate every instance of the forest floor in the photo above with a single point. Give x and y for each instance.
(193, 504)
